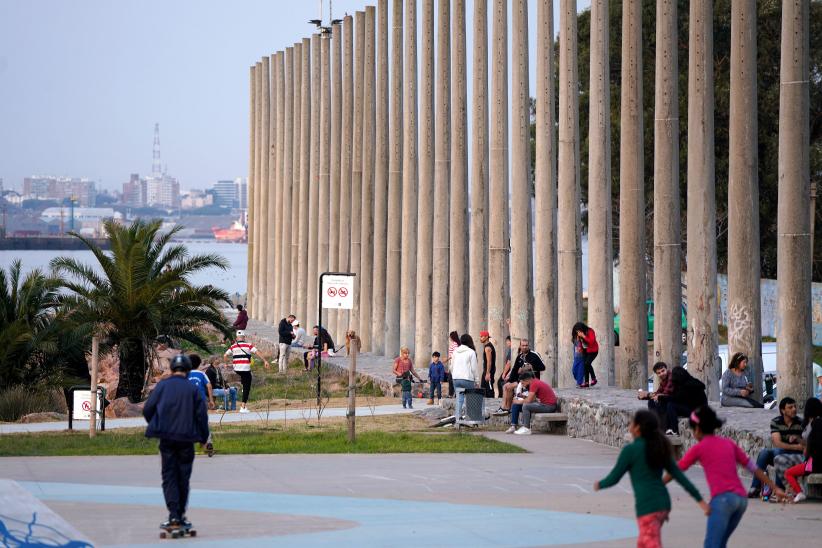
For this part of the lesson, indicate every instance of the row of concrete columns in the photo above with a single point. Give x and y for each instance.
(358, 163)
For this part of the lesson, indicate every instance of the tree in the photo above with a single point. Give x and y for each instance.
(142, 295)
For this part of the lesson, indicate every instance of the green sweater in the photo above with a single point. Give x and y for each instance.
(650, 494)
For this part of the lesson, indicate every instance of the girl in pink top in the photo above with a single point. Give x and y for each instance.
(719, 457)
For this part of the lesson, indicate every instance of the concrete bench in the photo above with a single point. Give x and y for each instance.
(814, 483)
(554, 423)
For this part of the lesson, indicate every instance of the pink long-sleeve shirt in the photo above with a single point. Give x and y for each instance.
(719, 457)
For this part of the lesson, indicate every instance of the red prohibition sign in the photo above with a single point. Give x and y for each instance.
(86, 406)
(332, 292)
(343, 292)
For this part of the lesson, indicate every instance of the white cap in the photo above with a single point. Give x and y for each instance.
(240, 333)
(295, 322)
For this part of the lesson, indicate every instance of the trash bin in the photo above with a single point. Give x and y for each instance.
(474, 403)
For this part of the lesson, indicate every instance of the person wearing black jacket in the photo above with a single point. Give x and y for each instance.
(688, 394)
(286, 333)
(176, 413)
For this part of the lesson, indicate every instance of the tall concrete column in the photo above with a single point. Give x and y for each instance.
(442, 173)
(498, 277)
(345, 264)
(380, 184)
(793, 224)
(545, 202)
(284, 220)
(667, 234)
(324, 223)
(702, 307)
(314, 205)
(266, 228)
(394, 229)
(478, 272)
(294, 227)
(521, 256)
(367, 193)
(261, 238)
(276, 188)
(425, 210)
(633, 324)
(744, 309)
(305, 179)
(408, 270)
(356, 163)
(569, 249)
(458, 253)
(250, 216)
(336, 136)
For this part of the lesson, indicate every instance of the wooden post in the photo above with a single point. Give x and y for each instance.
(352, 396)
(92, 423)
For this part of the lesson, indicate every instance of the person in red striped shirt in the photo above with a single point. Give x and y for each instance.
(241, 353)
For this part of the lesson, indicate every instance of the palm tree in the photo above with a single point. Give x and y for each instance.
(142, 294)
(29, 334)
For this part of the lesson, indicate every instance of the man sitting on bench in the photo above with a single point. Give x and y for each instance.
(541, 399)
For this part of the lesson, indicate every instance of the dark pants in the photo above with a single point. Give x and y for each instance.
(766, 458)
(589, 368)
(245, 378)
(450, 385)
(669, 412)
(436, 386)
(177, 460)
(500, 385)
(488, 386)
(516, 409)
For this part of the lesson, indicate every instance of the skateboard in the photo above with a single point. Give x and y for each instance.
(177, 531)
(444, 422)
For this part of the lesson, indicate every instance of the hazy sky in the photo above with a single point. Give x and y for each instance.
(82, 83)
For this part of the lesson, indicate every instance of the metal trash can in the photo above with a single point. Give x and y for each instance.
(474, 412)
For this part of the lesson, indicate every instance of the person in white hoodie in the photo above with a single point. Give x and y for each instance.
(464, 368)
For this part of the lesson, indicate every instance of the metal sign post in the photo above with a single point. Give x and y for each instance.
(336, 292)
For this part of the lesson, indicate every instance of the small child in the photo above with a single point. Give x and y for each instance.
(405, 384)
(436, 374)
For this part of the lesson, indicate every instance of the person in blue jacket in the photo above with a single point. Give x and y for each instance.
(176, 414)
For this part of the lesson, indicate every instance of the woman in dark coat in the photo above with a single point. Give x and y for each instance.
(688, 395)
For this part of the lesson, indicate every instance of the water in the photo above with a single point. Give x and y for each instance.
(232, 280)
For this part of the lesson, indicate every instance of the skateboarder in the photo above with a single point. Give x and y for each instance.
(176, 414)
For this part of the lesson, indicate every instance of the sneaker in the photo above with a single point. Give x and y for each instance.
(511, 429)
(753, 493)
(670, 432)
(523, 431)
(800, 496)
(771, 404)
(244, 410)
(584, 385)
(593, 382)
(500, 412)
(403, 406)
(410, 407)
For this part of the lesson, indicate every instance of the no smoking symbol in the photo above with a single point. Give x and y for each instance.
(343, 292)
(86, 406)
(332, 292)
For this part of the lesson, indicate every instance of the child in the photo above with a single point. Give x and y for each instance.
(644, 459)
(812, 438)
(719, 457)
(176, 413)
(436, 374)
(405, 384)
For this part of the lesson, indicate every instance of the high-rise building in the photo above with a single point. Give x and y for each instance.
(242, 192)
(135, 191)
(163, 191)
(225, 194)
(82, 190)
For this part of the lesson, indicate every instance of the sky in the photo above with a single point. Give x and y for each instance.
(82, 83)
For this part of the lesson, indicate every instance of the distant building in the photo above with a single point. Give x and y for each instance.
(61, 188)
(163, 191)
(195, 199)
(242, 192)
(233, 194)
(135, 192)
(86, 220)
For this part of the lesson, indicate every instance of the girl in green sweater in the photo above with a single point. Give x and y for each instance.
(645, 459)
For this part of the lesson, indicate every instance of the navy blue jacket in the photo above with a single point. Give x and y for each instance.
(176, 411)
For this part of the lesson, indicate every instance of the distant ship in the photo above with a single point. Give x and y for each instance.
(235, 233)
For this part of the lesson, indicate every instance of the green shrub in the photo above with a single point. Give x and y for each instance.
(18, 401)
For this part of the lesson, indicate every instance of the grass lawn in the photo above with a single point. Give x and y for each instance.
(299, 384)
(374, 435)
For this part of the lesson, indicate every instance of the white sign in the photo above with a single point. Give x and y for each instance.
(81, 410)
(338, 292)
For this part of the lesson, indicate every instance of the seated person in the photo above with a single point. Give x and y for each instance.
(658, 400)
(520, 393)
(736, 390)
(526, 357)
(540, 399)
(323, 341)
(786, 438)
(687, 396)
(300, 336)
(221, 388)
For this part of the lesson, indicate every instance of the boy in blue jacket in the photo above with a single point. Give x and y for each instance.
(436, 374)
(176, 414)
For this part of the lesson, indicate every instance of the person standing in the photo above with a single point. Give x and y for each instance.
(241, 322)
(719, 457)
(436, 374)
(506, 366)
(300, 335)
(736, 390)
(404, 364)
(489, 364)
(286, 334)
(176, 414)
(645, 459)
(241, 353)
(464, 369)
(453, 343)
(586, 337)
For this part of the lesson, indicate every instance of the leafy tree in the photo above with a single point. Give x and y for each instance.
(142, 296)
(768, 58)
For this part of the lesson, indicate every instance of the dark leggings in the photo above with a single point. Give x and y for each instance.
(245, 378)
(589, 369)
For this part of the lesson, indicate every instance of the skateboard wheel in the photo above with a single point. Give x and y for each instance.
(175, 534)
(193, 532)
(163, 534)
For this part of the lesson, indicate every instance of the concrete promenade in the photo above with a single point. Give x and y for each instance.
(540, 498)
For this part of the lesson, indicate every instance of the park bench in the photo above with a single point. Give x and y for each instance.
(553, 423)
(814, 482)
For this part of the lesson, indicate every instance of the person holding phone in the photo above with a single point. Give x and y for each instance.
(736, 390)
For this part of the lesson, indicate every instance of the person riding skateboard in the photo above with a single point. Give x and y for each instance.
(176, 414)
